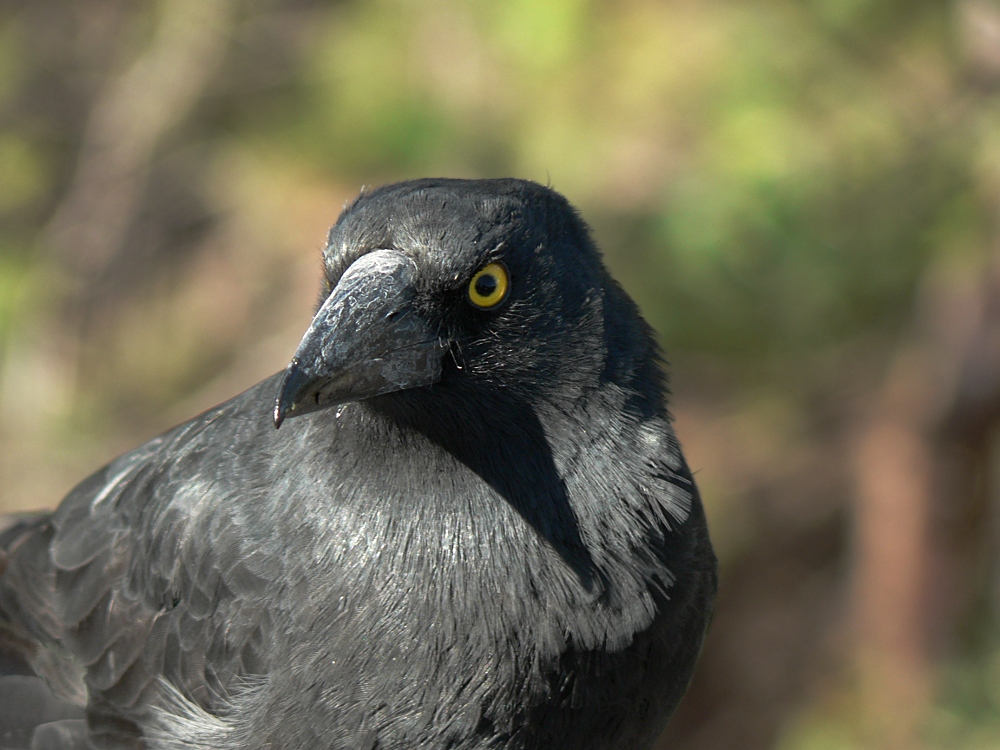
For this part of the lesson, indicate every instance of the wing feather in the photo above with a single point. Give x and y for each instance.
(144, 575)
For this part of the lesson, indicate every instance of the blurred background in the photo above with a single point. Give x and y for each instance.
(802, 195)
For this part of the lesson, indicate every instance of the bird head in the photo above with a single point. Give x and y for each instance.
(446, 284)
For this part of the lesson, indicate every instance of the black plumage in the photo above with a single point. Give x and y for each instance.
(474, 528)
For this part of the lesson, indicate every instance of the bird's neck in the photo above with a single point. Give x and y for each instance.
(567, 468)
(580, 500)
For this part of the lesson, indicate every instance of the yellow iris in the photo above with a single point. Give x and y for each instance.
(489, 286)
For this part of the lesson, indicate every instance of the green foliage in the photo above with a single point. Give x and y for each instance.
(15, 283)
(789, 200)
(969, 717)
(23, 180)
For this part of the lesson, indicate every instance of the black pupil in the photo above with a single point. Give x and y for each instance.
(486, 285)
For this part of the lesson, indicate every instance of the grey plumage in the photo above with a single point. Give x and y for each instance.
(494, 544)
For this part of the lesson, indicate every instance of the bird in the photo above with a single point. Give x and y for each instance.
(460, 518)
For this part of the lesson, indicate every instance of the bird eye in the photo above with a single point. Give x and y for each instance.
(488, 287)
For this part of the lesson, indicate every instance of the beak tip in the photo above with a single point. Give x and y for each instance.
(283, 402)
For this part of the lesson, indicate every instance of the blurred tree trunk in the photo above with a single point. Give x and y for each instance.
(922, 530)
(130, 117)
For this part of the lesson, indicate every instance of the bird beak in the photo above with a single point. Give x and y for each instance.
(365, 340)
